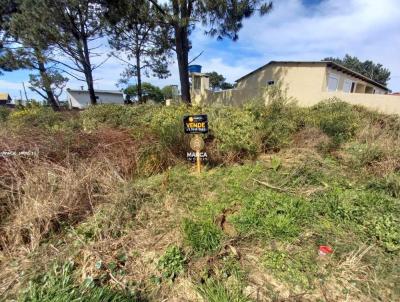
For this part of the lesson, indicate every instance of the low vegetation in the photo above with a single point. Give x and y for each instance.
(106, 208)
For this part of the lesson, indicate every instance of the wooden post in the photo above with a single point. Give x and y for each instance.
(198, 161)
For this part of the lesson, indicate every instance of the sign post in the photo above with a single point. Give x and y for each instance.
(196, 124)
(197, 144)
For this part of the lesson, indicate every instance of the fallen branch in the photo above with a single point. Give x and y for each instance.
(270, 186)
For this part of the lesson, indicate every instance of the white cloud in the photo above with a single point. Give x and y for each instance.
(15, 89)
(366, 29)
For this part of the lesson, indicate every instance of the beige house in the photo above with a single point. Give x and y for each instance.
(5, 99)
(303, 77)
(309, 82)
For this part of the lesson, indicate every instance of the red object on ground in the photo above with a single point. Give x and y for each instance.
(324, 249)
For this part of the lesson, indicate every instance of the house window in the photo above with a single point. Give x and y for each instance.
(348, 86)
(271, 82)
(333, 81)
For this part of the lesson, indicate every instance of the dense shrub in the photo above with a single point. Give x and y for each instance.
(336, 118)
(279, 119)
(4, 113)
(35, 116)
(111, 115)
(167, 124)
(234, 130)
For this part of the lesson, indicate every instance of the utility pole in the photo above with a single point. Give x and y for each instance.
(26, 96)
(20, 97)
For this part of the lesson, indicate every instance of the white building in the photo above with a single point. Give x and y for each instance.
(80, 99)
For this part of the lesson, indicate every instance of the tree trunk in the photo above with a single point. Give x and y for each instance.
(46, 82)
(88, 72)
(139, 78)
(182, 49)
(89, 81)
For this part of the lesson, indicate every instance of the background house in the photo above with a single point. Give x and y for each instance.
(308, 82)
(80, 99)
(5, 99)
(306, 79)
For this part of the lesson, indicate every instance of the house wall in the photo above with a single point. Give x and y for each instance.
(360, 84)
(307, 84)
(81, 99)
(304, 81)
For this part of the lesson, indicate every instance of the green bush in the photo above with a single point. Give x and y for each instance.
(234, 130)
(58, 285)
(4, 113)
(36, 116)
(167, 124)
(279, 119)
(336, 118)
(109, 114)
(202, 236)
(113, 115)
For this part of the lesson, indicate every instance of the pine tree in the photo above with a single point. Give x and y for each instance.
(73, 27)
(135, 34)
(222, 19)
(27, 48)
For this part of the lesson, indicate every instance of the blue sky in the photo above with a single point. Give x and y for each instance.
(294, 30)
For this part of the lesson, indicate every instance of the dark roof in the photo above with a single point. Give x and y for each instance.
(327, 63)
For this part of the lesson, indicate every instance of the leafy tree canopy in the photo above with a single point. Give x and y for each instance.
(170, 91)
(218, 81)
(149, 91)
(138, 40)
(374, 71)
(220, 19)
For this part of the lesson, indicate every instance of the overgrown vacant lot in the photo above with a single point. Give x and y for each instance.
(109, 210)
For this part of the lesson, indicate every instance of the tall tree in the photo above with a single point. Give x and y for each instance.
(134, 32)
(30, 50)
(218, 81)
(72, 26)
(374, 71)
(220, 18)
(150, 92)
(7, 9)
(47, 81)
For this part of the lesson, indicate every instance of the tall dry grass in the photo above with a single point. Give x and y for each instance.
(44, 197)
(70, 176)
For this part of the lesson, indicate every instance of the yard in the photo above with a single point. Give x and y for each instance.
(108, 209)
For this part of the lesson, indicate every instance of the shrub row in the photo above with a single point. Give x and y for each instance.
(235, 133)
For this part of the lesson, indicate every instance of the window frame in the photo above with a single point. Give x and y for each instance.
(336, 77)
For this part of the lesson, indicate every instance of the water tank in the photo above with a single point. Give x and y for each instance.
(194, 68)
